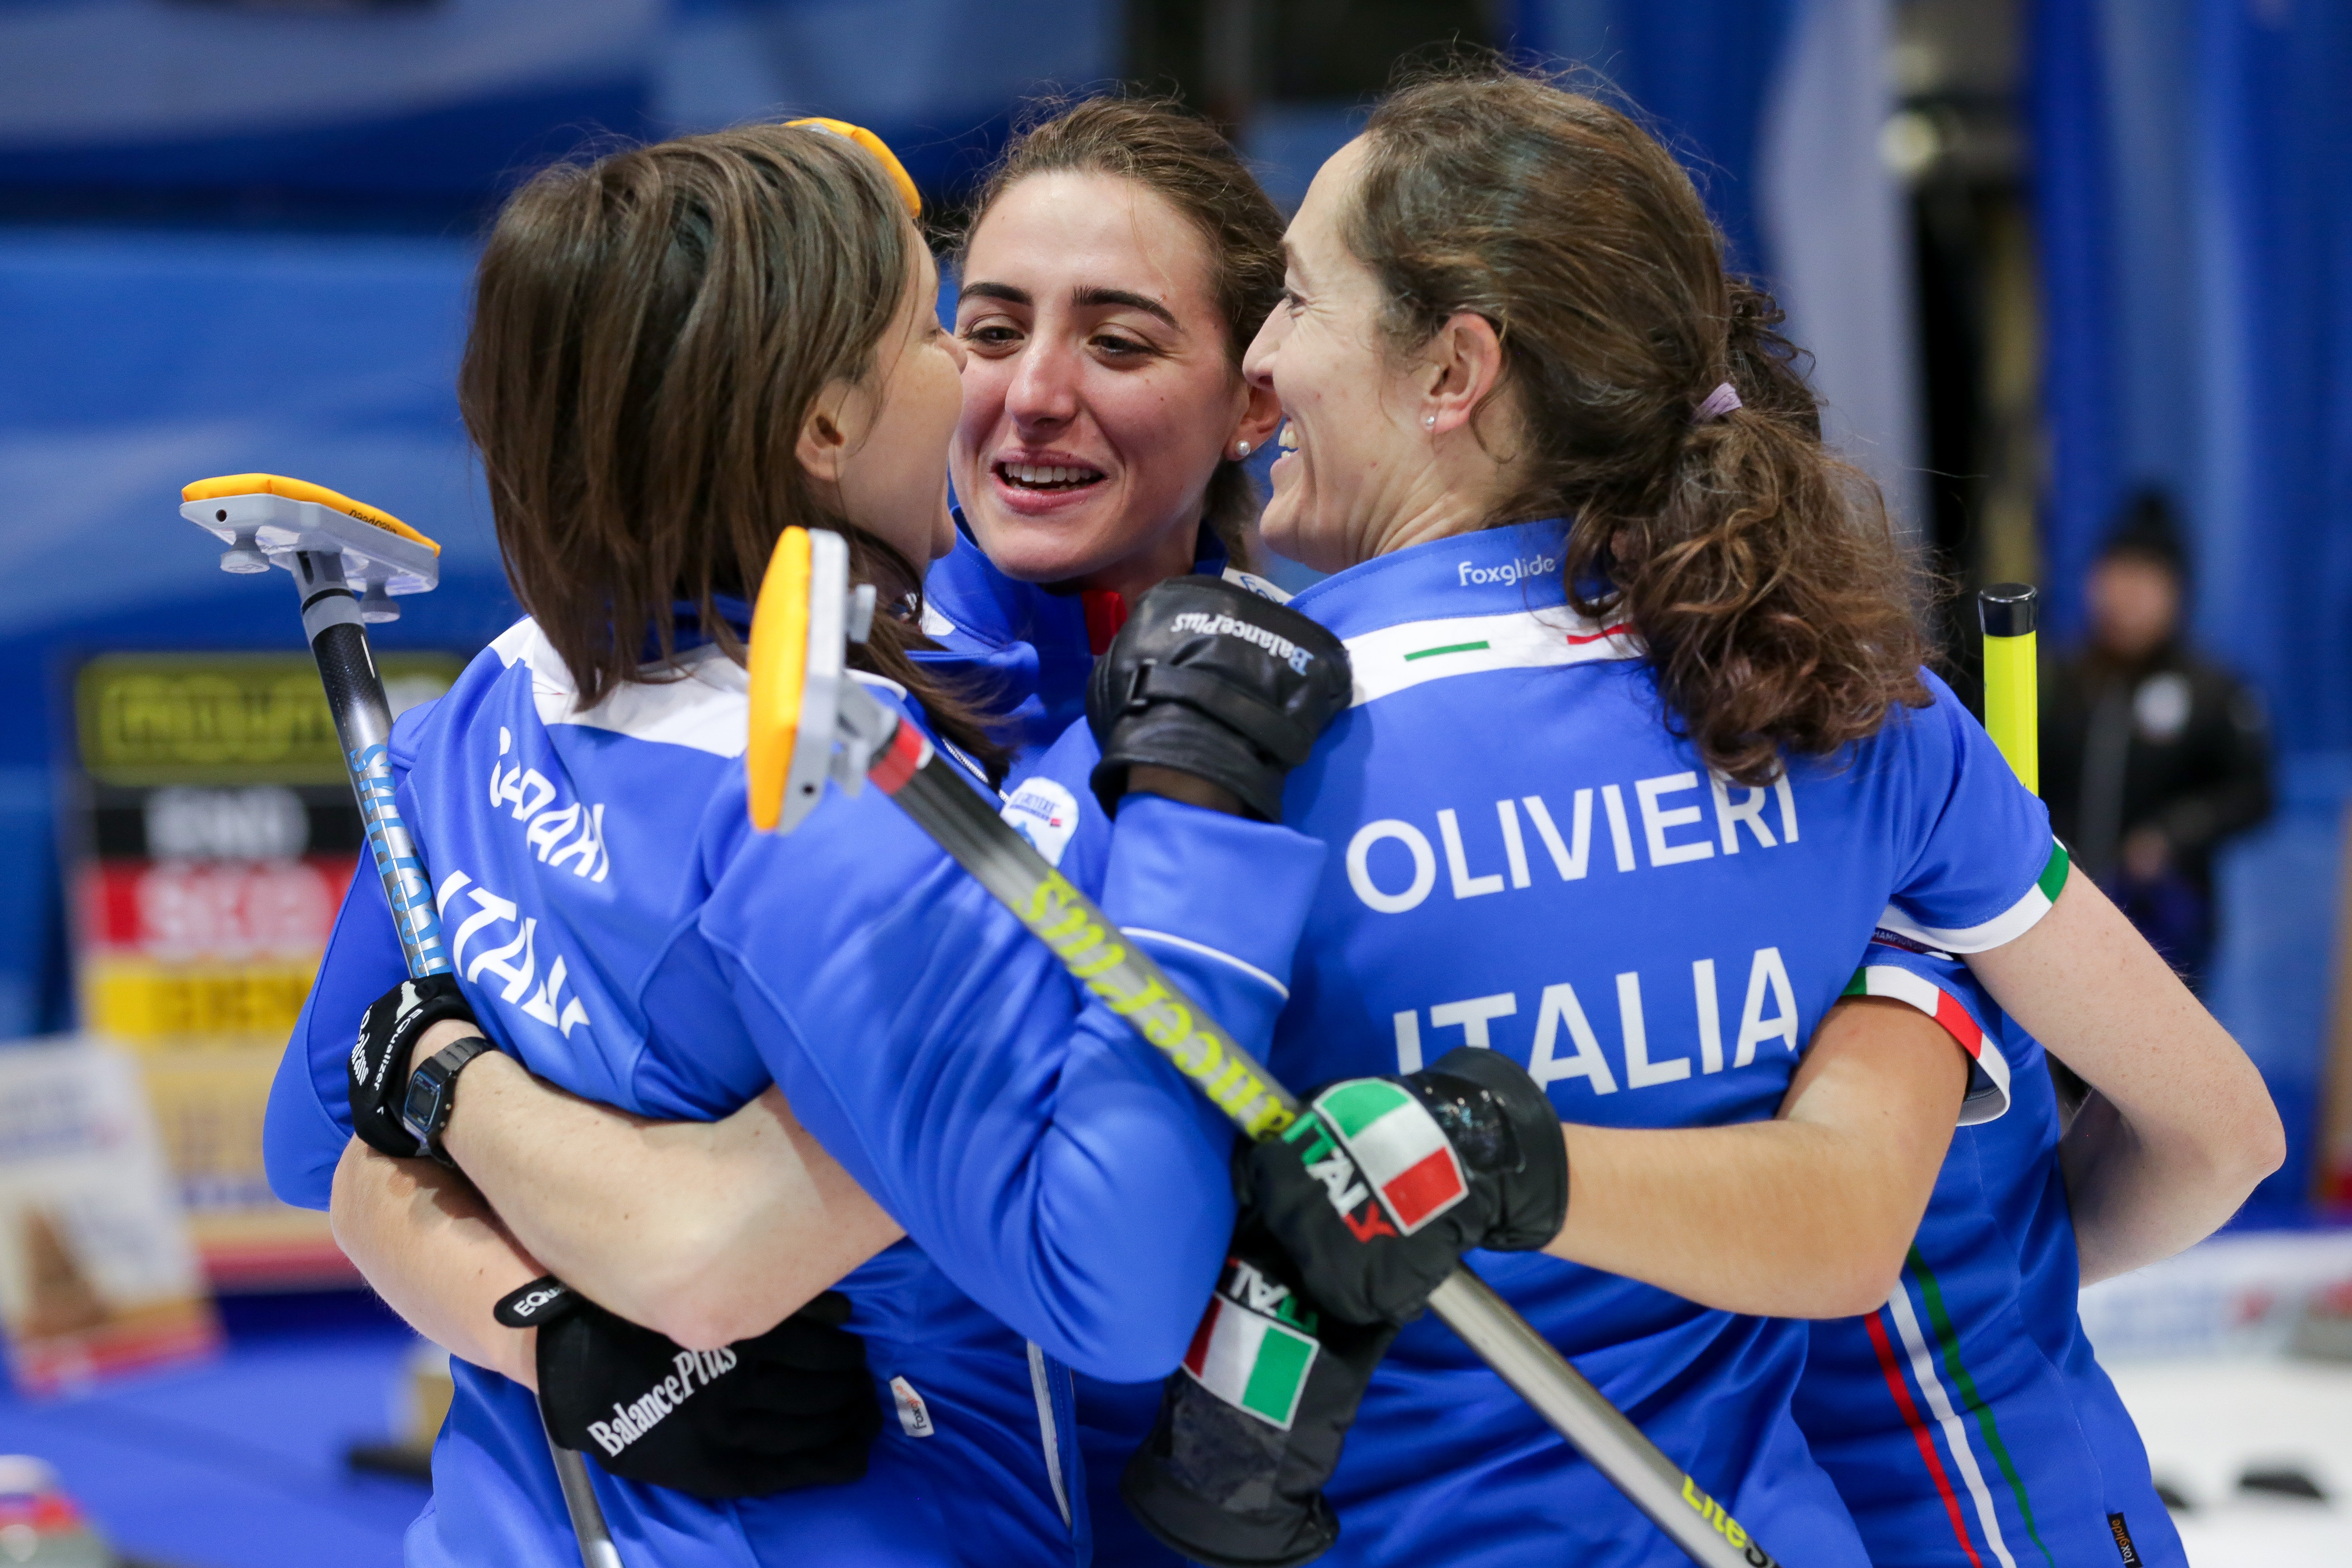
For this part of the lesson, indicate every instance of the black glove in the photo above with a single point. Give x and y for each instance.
(377, 1072)
(792, 1408)
(1381, 1186)
(1212, 680)
(1250, 1429)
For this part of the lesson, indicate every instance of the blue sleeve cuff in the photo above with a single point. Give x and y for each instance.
(301, 1143)
(307, 1122)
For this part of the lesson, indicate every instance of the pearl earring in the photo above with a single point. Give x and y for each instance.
(1241, 450)
(1429, 421)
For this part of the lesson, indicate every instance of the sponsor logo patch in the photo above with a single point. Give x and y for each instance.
(914, 1416)
(1045, 814)
(1275, 643)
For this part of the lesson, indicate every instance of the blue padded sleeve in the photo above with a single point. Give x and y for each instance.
(1060, 1171)
(1218, 902)
(309, 1120)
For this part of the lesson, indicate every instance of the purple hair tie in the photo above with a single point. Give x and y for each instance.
(1720, 401)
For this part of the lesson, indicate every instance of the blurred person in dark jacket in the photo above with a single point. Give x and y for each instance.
(2152, 754)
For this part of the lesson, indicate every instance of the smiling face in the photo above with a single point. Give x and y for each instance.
(897, 424)
(1381, 449)
(1099, 391)
(1351, 440)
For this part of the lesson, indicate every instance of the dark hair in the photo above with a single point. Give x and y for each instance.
(2148, 528)
(649, 331)
(1184, 160)
(1756, 567)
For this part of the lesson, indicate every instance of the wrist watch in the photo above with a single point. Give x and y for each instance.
(433, 1094)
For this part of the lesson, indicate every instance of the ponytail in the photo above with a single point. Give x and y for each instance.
(1765, 582)
(1756, 567)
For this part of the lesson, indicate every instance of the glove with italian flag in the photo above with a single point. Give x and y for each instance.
(1250, 1427)
(1379, 1188)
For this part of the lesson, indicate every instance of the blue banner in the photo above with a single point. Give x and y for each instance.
(2192, 160)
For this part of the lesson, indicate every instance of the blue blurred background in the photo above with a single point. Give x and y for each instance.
(2046, 252)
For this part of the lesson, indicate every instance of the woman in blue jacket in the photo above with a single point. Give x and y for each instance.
(676, 353)
(1640, 756)
(1968, 1423)
(1118, 262)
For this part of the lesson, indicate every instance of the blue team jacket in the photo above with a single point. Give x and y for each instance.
(1966, 1423)
(1524, 857)
(623, 932)
(1024, 646)
(1028, 646)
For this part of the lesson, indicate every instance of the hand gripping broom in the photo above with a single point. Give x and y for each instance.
(811, 723)
(347, 559)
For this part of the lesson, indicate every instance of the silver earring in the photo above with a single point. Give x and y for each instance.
(1429, 421)
(1241, 451)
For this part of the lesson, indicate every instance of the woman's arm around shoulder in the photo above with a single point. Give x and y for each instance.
(437, 1255)
(1806, 1215)
(2179, 1128)
(709, 1231)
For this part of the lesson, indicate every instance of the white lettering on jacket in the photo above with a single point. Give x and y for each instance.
(1509, 572)
(516, 961)
(1673, 814)
(1566, 1046)
(572, 834)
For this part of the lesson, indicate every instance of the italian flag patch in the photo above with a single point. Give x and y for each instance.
(1399, 1148)
(1988, 1094)
(1251, 1361)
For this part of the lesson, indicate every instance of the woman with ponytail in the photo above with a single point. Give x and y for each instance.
(1642, 754)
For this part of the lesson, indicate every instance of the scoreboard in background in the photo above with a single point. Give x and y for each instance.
(212, 838)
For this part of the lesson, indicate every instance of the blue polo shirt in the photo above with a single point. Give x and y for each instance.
(1524, 857)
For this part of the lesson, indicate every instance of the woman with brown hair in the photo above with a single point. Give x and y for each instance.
(1640, 755)
(677, 353)
(1118, 260)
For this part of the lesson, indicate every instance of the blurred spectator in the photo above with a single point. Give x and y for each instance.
(2152, 754)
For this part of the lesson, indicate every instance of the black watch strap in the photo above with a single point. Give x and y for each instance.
(433, 1093)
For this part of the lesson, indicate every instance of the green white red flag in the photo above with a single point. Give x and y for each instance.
(1250, 1360)
(1398, 1147)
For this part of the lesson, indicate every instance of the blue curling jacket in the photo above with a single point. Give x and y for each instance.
(1030, 646)
(1026, 647)
(1524, 857)
(1966, 1423)
(620, 930)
